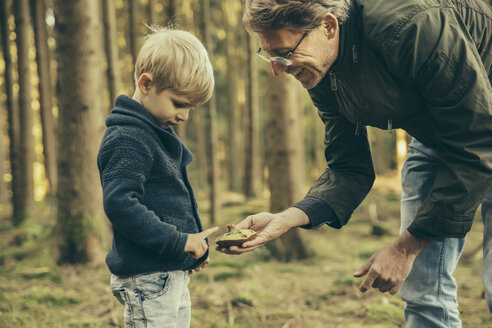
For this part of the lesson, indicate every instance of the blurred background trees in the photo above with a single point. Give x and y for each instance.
(62, 64)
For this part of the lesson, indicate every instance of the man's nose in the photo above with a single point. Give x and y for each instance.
(277, 68)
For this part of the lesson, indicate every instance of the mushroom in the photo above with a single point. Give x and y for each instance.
(234, 236)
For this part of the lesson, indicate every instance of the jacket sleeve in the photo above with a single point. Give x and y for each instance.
(434, 52)
(349, 174)
(125, 164)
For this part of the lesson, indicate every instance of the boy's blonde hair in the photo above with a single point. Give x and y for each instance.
(177, 60)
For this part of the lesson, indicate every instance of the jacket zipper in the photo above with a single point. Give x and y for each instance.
(359, 126)
(354, 54)
(333, 81)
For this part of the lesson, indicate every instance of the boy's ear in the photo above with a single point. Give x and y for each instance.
(145, 83)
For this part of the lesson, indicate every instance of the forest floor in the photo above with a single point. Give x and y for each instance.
(251, 290)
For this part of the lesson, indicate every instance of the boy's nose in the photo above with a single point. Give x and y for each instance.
(277, 68)
(183, 116)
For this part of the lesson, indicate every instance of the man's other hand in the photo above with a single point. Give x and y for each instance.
(388, 268)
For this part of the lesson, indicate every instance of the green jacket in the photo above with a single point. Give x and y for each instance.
(425, 67)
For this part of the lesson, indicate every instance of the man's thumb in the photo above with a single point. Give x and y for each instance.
(363, 269)
(244, 224)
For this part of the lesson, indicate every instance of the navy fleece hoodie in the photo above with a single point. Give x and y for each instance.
(147, 195)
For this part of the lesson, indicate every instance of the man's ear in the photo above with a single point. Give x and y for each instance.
(330, 25)
(145, 83)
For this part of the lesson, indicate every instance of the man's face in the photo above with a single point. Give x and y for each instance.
(312, 58)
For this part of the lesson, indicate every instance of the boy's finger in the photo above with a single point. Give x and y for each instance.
(205, 233)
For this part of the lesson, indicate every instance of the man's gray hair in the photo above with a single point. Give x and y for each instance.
(296, 15)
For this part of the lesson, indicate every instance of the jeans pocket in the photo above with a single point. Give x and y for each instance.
(118, 294)
(152, 285)
(123, 297)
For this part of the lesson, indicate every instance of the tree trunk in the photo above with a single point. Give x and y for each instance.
(171, 11)
(38, 13)
(210, 122)
(252, 169)
(315, 133)
(3, 184)
(285, 161)
(196, 123)
(12, 109)
(234, 163)
(401, 148)
(111, 43)
(187, 10)
(80, 127)
(26, 144)
(150, 12)
(132, 30)
(171, 18)
(383, 149)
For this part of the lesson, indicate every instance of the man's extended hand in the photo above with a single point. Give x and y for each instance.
(268, 227)
(388, 268)
(196, 245)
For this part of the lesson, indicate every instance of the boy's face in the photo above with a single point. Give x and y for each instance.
(167, 107)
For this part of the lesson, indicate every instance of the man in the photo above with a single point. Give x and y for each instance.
(423, 66)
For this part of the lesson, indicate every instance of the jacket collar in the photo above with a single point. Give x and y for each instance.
(350, 32)
(127, 111)
(130, 107)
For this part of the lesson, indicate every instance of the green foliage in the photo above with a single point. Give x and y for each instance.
(229, 263)
(41, 273)
(393, 197)
(50, 297)
(380, 229)
(242, 301)
(390, 312)
(345, 281)
(226, 275)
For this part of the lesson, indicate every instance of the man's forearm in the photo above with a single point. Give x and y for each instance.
(411, 245)
(294, 217)
(318, 212)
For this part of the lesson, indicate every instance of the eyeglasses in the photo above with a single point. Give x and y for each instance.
(282, 60)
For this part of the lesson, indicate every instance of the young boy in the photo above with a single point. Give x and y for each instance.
(157, 233)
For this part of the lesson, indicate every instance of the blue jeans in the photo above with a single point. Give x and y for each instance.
(430, 291)
(159, 299)
(487, 247)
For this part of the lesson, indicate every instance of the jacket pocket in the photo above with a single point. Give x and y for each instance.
(152, 285)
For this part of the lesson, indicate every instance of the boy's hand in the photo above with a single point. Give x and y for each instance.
(201, 266)
(196, 245)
